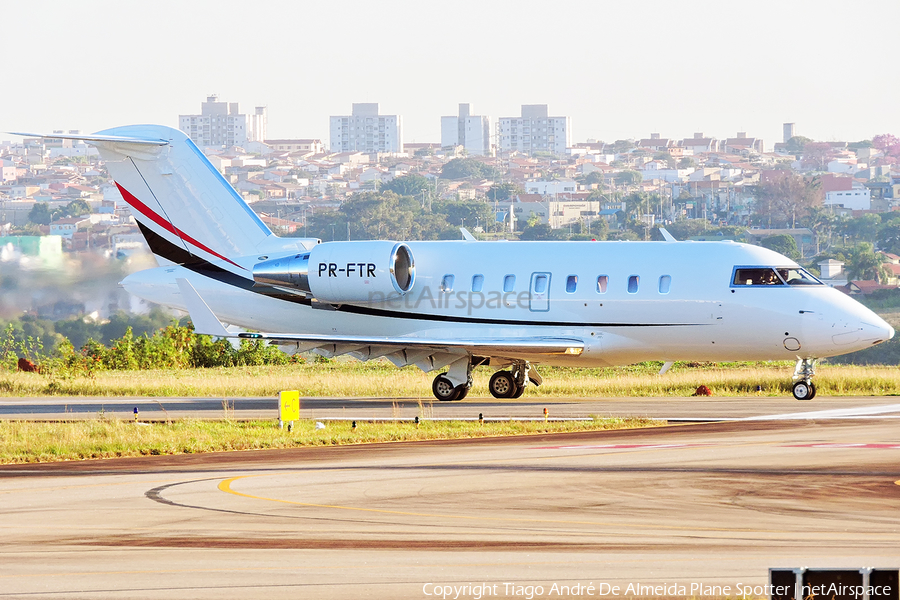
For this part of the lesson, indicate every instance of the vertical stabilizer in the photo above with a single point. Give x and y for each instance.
(186, 210)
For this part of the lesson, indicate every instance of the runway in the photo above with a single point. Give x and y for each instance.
(712, 504)
(671, 409)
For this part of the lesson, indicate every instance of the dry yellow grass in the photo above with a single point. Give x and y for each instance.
(377, 379)
(25, 442)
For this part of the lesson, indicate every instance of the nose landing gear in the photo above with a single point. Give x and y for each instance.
(803, 388)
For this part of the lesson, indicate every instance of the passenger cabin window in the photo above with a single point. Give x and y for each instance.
(665, 282)
(509, 283)
(477, 283)
(764, 276)
(571, 283)
(540, 284)
(633, 282)
(602, 282)
(447, 283)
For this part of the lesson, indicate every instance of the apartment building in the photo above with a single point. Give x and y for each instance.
(535, 131)
(472, 132)
(222, 124)
(365, 130)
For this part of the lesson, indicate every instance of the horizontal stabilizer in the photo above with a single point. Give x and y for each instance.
(96, 138)
(204, 320)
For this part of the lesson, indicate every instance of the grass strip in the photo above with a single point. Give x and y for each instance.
(29, 442)
(377, 379)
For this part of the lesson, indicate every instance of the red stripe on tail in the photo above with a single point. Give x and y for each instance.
(145, 210)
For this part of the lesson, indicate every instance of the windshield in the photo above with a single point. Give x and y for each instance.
(756, 276)
(798, 276)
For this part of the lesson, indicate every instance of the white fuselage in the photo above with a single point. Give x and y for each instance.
(628, 301)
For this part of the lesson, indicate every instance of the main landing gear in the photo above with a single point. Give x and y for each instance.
(444, 389)
(503, 384)
(804, 389)
(512, 383)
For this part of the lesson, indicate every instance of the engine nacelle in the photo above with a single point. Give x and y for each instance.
(344, 272)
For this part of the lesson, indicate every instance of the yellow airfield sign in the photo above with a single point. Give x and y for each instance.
(289, 407)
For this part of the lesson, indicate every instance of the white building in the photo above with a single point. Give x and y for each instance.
(366, 131)
(534, 131)
(472, 132)
(8, 171)
(259, 125)
(222, 124)
(556, 186)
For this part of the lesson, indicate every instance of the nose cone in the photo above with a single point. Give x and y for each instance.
(875, 332)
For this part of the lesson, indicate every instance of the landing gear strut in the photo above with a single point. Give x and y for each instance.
(446, 387)
(804, 389)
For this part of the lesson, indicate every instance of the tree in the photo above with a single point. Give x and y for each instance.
(408, 185)
(504, 191)
(795, 144)
(628, 178)
(686, 163)
(590, 178)
(860, 144)
(863, 228)
(822, 222)
(889, 237)
(77, 207)
(818, 154)
(782, 244)
(864, 264)
(622, 146)
(40, 214)
(542, 231)
(464, 168)
(468, 213)
(687, 228)
(785, 198)
(889, 144)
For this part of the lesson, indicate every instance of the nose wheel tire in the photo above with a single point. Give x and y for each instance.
(804, 390)
(502, 385)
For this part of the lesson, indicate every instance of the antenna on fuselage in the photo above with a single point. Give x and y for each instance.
(466, 235)
(666, 235)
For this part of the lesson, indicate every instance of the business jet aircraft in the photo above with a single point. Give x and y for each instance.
(449, 306)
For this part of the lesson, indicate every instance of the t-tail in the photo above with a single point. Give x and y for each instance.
(188, 213)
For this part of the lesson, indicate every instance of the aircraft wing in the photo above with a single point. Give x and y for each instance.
(426, 353)
(489, 346)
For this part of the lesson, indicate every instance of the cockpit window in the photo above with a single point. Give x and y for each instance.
(756, 276)
(764, 276)
(797, 276)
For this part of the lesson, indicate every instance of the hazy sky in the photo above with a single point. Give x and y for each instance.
(618, 69)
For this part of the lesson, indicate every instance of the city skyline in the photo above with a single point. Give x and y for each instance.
(617, 71)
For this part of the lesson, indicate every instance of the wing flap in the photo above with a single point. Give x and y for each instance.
(495, 346)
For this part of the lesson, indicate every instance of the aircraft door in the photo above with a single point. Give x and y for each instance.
(539, 297)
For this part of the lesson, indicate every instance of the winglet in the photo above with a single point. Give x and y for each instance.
(205, 322)
(666, 235)
(466, 235)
